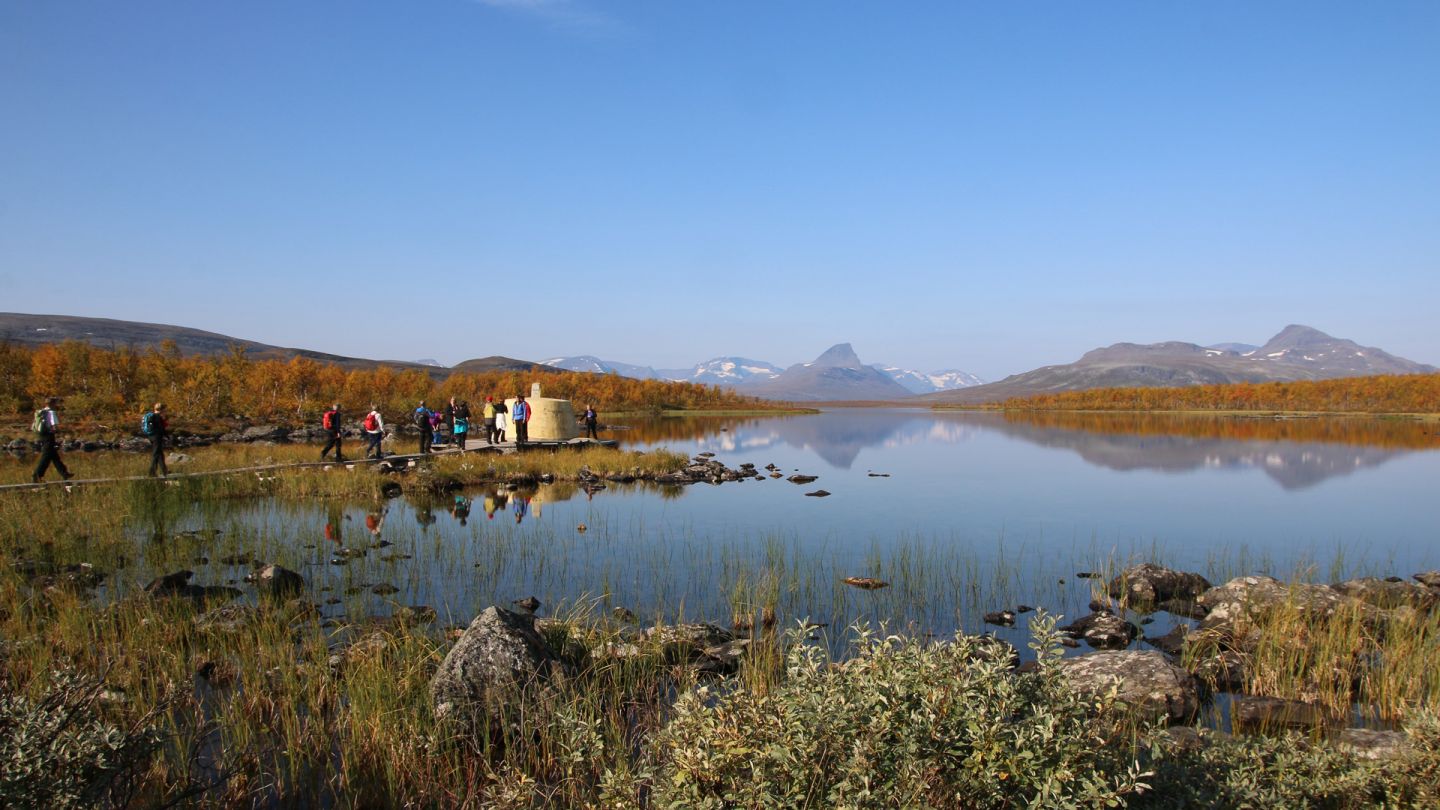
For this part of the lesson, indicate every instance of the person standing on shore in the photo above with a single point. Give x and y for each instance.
(520, 417)
(450, 416)
(488, 414)
(330, 421)
(427, 432)
(374, 427)
(47, 424)
(157, 428)
(592, 419)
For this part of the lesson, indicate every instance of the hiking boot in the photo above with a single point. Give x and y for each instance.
(67, 475)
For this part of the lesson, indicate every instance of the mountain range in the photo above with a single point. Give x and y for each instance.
(1296, 353)
(745, 374)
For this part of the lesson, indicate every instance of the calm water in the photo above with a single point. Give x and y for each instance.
(962, 512)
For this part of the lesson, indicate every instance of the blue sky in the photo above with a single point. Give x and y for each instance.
(983, 186)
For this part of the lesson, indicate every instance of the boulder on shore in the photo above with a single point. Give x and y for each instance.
(1148, 584)
(499, 654)
(1148, 682)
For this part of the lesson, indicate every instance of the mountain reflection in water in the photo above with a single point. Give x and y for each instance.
(1294, 452)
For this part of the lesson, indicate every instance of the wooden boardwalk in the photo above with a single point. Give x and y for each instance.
(408, 459)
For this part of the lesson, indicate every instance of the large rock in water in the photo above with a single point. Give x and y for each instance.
(1148, 682)
(1388, 595)
(499, 654)
(1253, 597)
(1150, 584)
(277, 581)
(1103, 629)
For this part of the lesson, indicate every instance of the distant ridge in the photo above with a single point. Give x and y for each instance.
(480, 365)
(1296, 353)
(38, 330)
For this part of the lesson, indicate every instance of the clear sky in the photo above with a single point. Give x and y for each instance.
(990, 186)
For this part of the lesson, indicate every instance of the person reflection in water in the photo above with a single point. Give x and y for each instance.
(374, 521)
(520, 505)
(332, 524)
(425, 515)
(461, 509)
(496, 502)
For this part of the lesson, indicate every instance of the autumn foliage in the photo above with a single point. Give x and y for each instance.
(1409, 393)
(100, 384)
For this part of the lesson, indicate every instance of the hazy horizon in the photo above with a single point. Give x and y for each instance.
(990, 188)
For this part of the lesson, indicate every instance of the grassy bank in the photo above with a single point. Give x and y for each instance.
(363, 479)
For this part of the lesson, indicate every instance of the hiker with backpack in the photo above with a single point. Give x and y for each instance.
(460, 429)
(374, 428)
(46, 424)
(155, 427)
(330, 421)
(427, 432)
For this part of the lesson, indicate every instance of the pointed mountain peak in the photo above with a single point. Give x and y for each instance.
(1296, 335)
(839, 356)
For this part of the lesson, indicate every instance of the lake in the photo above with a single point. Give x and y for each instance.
(961, 512)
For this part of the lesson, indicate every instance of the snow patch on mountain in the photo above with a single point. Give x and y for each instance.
(920, 382)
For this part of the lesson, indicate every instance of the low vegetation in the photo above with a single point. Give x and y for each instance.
(1410, 393)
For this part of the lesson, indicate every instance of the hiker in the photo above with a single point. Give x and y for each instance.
(47, 423)
(487, 413)
(501, 418)
(374, 428)
(331, 422)
(436, 420)
(427, 432)
(520, 417)
(450, 415)
(461, 427)
(591, 420)
(154, 425)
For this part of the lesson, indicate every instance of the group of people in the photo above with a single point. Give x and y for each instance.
(496, 420)
(46, 425)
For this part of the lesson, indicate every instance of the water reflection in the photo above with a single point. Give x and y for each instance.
(1294, 452)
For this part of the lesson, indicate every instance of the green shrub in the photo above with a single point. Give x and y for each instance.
(900, 724)
(1291, 771)
(60, 751)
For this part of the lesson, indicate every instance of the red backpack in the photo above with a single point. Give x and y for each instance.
(371, 423)
(328, 420)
